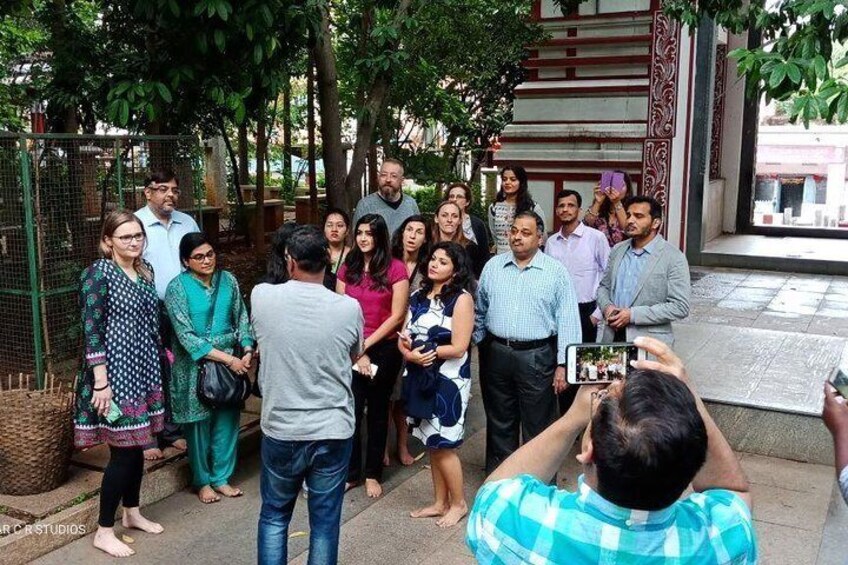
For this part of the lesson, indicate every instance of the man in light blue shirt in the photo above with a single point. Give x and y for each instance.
(526, 314)
(165, 227)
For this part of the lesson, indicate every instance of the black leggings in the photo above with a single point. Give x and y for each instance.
(375, 393)
(121, 481)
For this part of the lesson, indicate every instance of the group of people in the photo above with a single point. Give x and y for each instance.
(372, 320)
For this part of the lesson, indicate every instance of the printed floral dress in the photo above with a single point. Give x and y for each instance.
(121, 330)
(432, 320)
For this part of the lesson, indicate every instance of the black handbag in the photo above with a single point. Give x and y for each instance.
(218, 386)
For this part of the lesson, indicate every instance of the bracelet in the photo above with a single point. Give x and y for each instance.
(104, 387)
(589, 211)
(619, 206)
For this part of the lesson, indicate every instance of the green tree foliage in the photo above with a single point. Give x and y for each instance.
(464, 65)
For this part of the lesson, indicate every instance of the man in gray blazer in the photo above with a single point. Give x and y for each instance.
(646, 284)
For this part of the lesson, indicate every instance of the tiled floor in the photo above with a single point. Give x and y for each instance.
(810, 249)
(816, 304)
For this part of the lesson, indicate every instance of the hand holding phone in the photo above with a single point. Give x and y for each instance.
(594, 363)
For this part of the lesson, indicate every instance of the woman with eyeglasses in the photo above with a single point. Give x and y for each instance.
(473, 228)
(380, 284)
(210, 322)
(119, 397)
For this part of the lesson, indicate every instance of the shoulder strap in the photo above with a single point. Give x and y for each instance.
(214, 301)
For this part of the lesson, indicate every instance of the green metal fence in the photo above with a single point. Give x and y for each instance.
(54, 192)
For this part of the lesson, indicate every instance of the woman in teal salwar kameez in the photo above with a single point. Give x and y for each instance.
(210, 321)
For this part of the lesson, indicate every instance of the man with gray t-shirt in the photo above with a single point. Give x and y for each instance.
(308, 338)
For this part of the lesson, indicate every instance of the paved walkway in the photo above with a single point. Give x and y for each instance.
(800, 518)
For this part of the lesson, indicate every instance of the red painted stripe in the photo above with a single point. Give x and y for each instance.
(588, 61)
(636, 177)
(527, 163)
(550, 122)
(573, 41)
(630, 89)
(571, 139)
(598, 77)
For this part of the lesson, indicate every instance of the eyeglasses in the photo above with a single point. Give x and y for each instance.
(126, 239)
(201, 256)
(163, 189)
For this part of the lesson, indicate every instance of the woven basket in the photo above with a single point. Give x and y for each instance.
(36, 436)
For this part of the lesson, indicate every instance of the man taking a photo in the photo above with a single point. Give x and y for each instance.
(648, 438)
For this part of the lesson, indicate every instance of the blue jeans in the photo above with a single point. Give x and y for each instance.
(285, 465)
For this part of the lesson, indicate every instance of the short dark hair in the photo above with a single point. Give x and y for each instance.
(192, 241)
(565, 193)
(159, 176)
(307, 246)
(540, 223)
(648, 441)
(337, 212)
(656, 207)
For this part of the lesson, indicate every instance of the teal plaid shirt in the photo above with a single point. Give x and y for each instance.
(523, 520)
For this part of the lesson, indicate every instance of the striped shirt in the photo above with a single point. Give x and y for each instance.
(630, 271)
(523, 520)
(527, 304)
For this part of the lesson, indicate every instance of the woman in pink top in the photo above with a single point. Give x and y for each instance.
(379, 283)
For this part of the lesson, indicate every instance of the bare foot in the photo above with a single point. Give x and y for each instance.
(180, 444)
(229, 491)
(105, 540)
(133, 519)
(153, 454)
(373, 488)
(386, 459)
(432, 511)
(207, 495)
(456, 513)
(349, 485)
(406, 458)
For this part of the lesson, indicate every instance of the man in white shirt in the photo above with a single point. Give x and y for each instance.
(584, 252)
(165, 227)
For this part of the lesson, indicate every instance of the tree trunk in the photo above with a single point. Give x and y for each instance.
(364, 133)
(243, 166)
(287, 132)
(259, 228)
(331, 122)
(372, 168)
(310, 127)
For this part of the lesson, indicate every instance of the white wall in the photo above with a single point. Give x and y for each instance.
(731, 148)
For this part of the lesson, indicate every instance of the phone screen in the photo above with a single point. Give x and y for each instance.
(839, 380)
(618, 182)
(606, 180)
(593, 363)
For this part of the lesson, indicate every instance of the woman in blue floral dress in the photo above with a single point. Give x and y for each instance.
(437, 381)
(119, 392)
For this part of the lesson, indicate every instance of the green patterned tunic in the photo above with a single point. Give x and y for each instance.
(121, 327)
(189, 305)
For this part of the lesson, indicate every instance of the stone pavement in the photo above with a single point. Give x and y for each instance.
(800, 517)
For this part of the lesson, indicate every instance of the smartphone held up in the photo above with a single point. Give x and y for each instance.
(595, 363)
